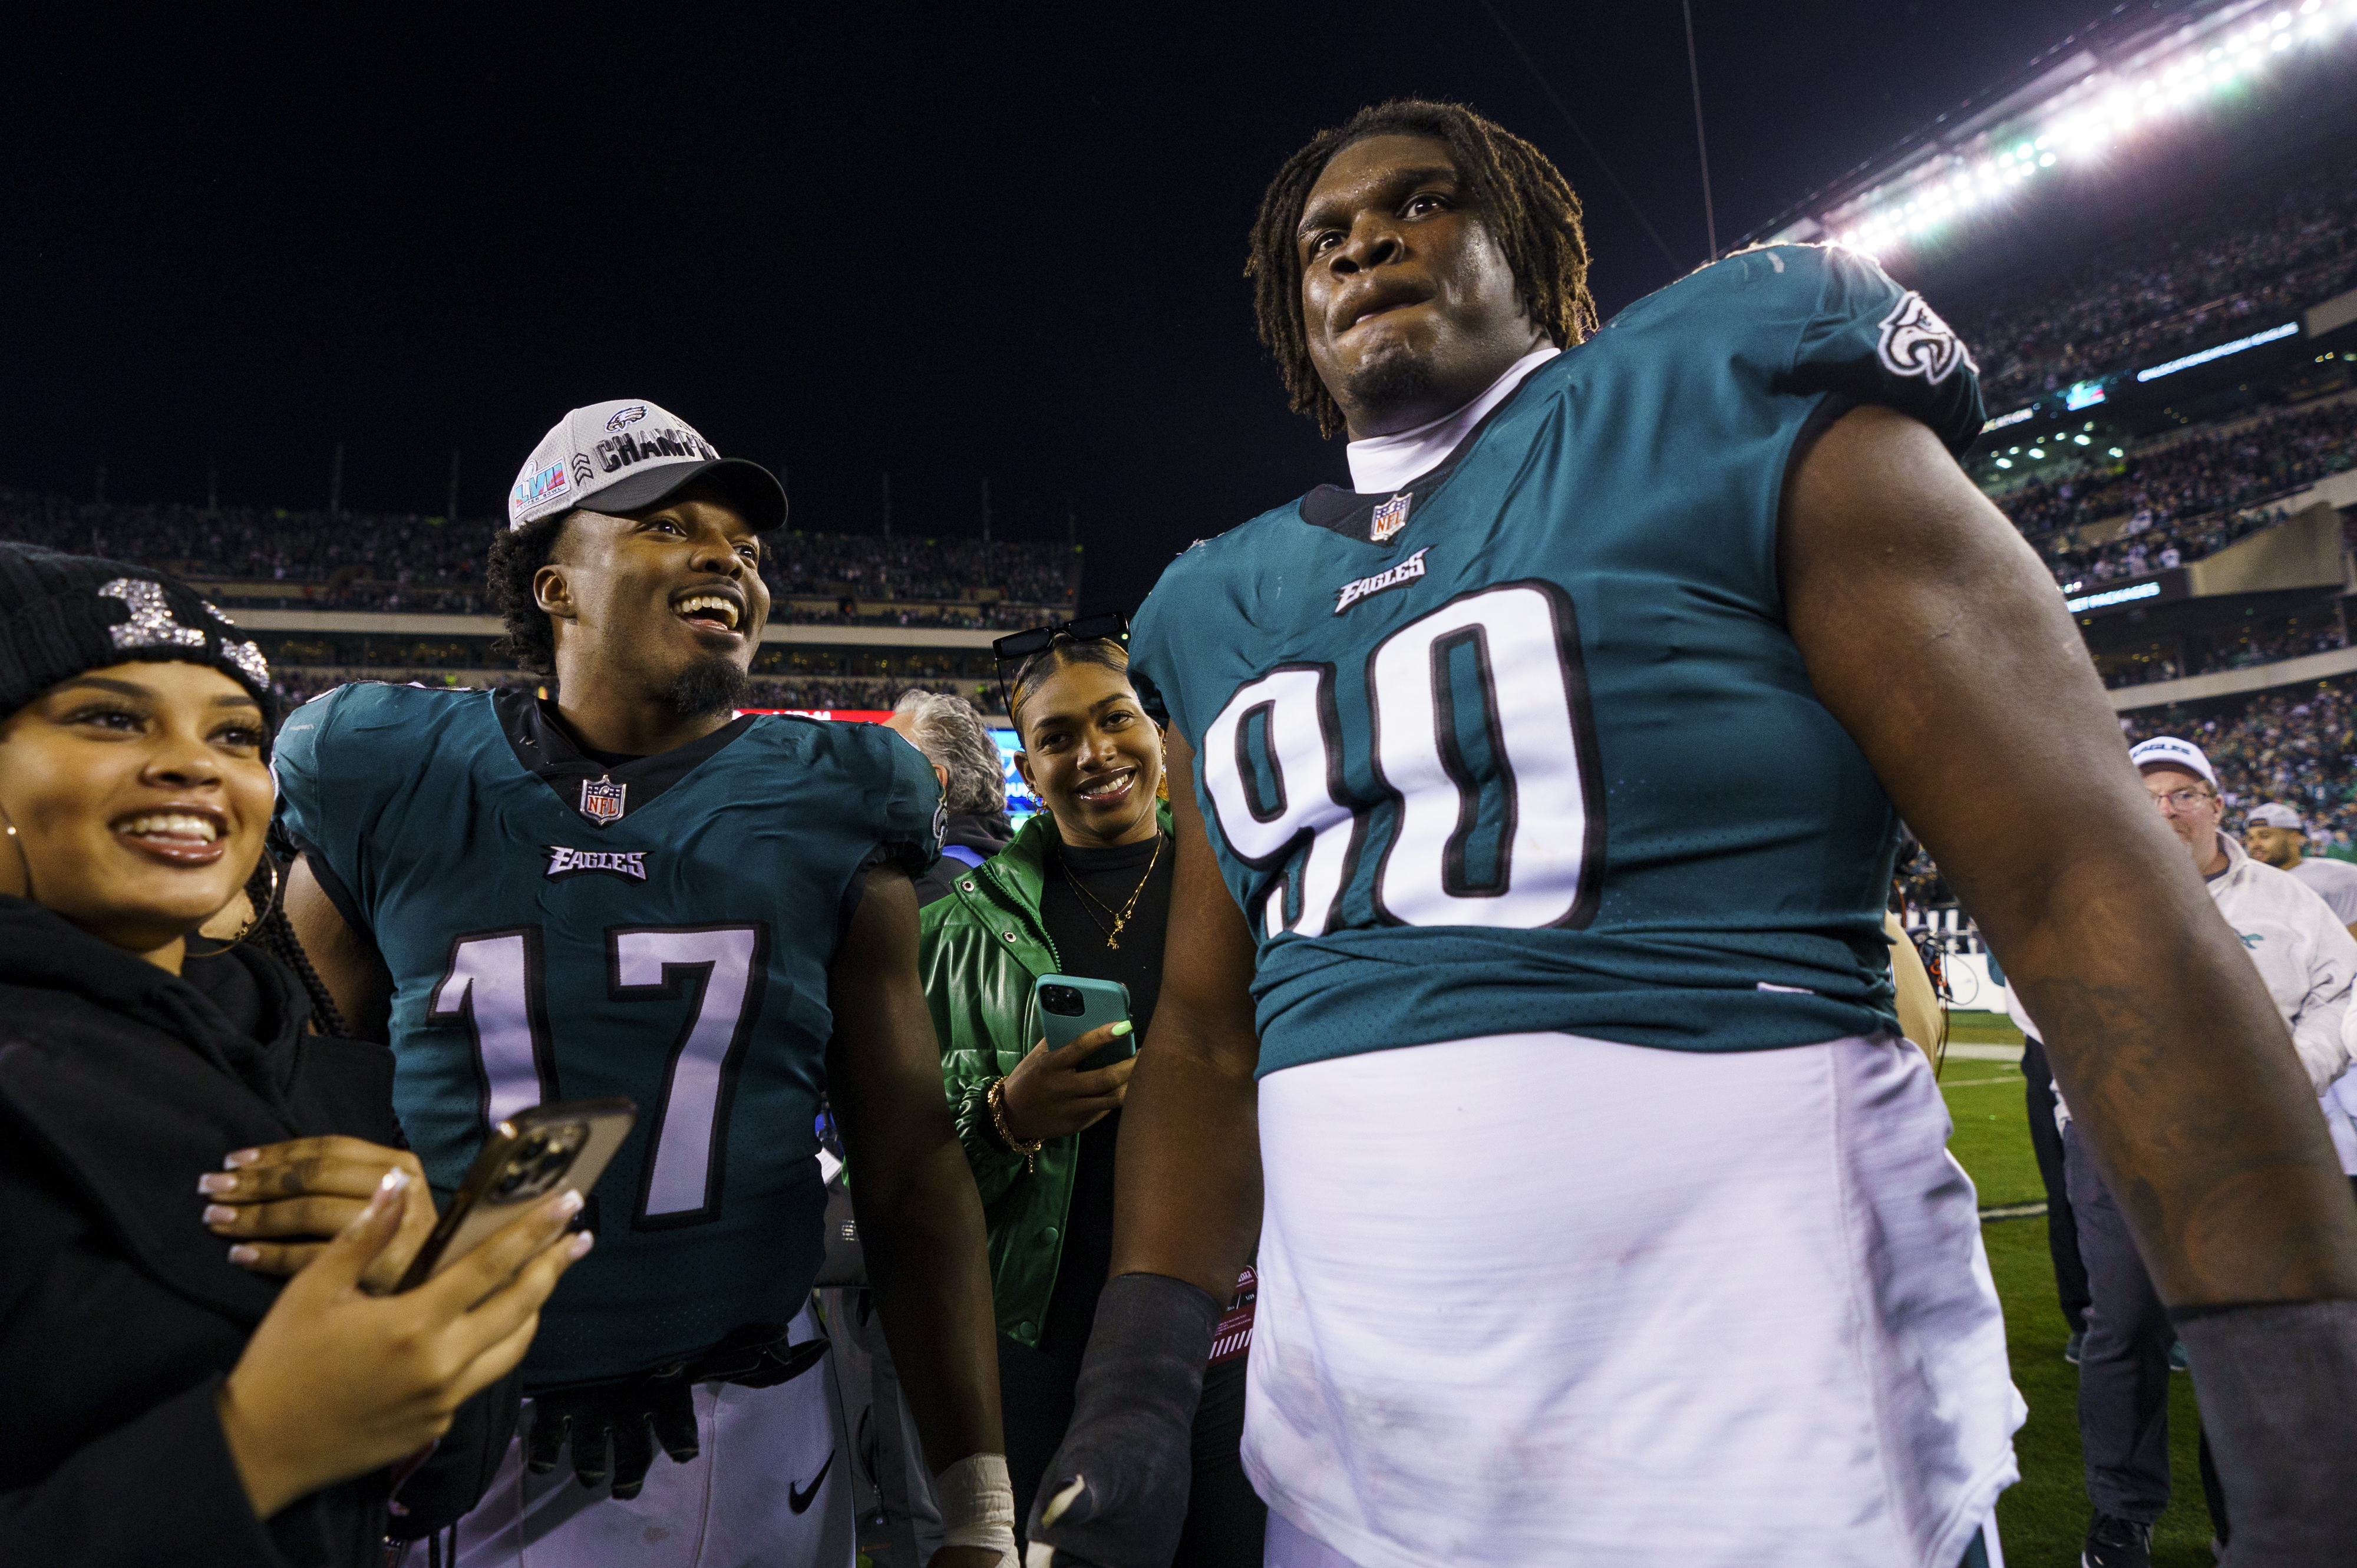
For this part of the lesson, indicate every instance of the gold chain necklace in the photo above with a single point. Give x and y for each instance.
(1120, 918)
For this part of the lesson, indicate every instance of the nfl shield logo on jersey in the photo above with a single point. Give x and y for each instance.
(1389, 518)
(601, 800)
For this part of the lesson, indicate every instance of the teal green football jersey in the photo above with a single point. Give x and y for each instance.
(1526, 745)
(558, 928)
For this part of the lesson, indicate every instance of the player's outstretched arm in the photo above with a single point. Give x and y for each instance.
(1933, 634)
(347, 962)
(1186, 1213)
(920, 1221)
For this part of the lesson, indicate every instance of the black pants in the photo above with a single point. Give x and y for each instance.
(2123, 1367)
(1225, 1518)
(2046, 1143)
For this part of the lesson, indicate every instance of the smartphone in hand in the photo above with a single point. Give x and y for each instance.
(1070, 1006)
(527, 1156)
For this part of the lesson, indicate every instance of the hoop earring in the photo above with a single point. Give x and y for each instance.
(269, 906)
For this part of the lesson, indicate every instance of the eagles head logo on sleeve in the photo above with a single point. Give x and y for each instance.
(1916, 343)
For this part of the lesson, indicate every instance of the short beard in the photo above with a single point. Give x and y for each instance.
(1389, 380)
(706, 687)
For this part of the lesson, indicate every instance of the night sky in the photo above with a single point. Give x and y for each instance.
(954, 246)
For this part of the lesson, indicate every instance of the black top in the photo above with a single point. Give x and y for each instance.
(119, 1314)
(1077, 929)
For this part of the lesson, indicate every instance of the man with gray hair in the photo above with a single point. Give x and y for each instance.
(951, 733)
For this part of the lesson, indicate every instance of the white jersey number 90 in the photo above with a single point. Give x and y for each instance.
(1495, 822)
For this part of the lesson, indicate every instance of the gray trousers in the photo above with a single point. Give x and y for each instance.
(2123, 1367)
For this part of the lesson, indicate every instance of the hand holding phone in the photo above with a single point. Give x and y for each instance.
(528, 1156)
(1078, 1072)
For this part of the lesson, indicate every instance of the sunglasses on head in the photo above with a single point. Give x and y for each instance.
(1018, 645)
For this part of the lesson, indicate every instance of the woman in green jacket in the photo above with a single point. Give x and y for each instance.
(1083, 890)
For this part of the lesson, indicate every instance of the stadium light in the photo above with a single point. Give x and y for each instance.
(2206, 58)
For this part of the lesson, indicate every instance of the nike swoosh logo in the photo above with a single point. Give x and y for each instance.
(799, 1500)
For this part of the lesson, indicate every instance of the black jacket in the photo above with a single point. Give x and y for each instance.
(984, 835)
(119, 1314)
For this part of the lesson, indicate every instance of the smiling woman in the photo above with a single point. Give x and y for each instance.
(172, 1141)
(1082, 890)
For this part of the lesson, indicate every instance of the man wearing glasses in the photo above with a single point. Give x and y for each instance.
(2306, 957)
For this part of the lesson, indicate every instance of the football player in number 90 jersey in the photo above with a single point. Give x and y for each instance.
(628, 890)
(1527, 995)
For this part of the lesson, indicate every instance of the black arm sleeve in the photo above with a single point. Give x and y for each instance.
(160, 1489)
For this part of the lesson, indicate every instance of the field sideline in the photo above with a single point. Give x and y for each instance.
(2043, 1518)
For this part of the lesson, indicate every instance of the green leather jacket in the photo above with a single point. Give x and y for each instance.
(979, 950)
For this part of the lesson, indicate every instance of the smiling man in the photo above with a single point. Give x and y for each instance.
(1527, 999)
(630, 889)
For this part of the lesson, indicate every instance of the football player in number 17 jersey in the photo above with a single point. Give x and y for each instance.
(629, 890)
(1527, 999)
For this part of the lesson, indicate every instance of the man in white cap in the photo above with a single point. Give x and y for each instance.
(2307, 959)
(628, 889)
(2275, 834)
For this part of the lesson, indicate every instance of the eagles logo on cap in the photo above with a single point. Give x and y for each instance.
(2167, 751)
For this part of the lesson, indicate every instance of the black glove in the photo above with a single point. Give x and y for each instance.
(1116, 1493)
(608, 1423)
(2275, 1382)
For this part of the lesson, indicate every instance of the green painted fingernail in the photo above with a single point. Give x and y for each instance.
(1121, 1028)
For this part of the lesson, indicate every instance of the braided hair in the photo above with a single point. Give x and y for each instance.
(1527, 207)
(275, 934)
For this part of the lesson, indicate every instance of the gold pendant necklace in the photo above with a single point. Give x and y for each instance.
(1120, 920)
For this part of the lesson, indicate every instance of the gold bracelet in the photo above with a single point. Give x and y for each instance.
(997, 1099)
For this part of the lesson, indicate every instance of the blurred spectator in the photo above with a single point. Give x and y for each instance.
(951, 733)
(2279, 835)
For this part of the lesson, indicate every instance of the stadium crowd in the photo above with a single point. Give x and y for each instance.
(288, 560)
(2184, 500)
(2142, 299)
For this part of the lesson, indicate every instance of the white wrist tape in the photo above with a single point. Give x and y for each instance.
(977, 1504)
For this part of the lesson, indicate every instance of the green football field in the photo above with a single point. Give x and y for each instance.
(2044, 1516)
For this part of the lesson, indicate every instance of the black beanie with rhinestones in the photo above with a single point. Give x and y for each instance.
(61, 615)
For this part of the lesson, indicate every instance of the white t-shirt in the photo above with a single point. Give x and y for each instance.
(2335, 882)
(1382, 464)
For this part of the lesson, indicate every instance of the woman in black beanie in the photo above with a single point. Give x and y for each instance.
(162, 1403)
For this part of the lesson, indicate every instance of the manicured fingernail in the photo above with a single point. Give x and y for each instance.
(394, 1180)
(218, 1214)
(214, 1183)
(242, 1254)
(579, 1248)
(567, 1205)
(1121, 1028)
(237, 1157)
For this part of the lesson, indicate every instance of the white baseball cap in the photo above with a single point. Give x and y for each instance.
(2273, 815)
(2167, 751)
(627, 455)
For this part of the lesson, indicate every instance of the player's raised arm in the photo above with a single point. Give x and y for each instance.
(1931, 633)
(920, 1217)
(1187, 1213)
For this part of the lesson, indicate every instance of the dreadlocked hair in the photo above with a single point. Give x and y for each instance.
(1527, 207)
(274, 933)
(516, 555)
